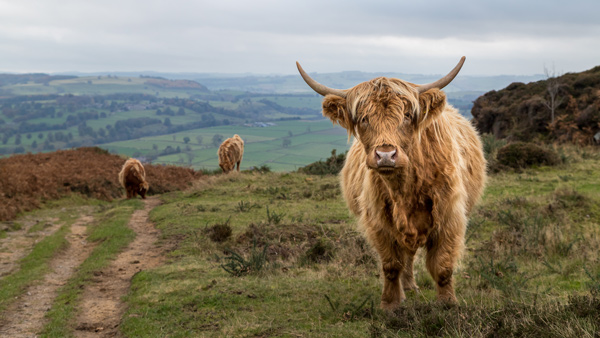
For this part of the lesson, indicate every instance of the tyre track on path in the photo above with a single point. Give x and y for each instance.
(25, 317)
(101, 308)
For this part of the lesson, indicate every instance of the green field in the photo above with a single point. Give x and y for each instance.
(310, 141)
(108, 111)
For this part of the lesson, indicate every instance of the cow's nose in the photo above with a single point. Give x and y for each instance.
(386, 157)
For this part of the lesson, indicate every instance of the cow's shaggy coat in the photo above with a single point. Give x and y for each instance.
(133, 178)
(412, 175)
(230, 153)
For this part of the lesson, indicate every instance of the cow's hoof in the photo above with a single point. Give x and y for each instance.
(447, 299)
(412, 287)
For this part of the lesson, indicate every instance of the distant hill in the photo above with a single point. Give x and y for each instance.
(461, 92)
(523, 111)
(272, 83)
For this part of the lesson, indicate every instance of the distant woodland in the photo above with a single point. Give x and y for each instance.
(31, 122)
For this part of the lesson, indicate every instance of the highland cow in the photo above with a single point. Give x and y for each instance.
(230, 153)
(412, 175)
(133, 178)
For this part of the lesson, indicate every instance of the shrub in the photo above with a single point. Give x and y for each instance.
(491, 144)
(321, 251)
(524, 154)
(219, 232)
(331, 166)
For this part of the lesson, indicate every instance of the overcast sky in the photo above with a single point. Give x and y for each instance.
(517, 37)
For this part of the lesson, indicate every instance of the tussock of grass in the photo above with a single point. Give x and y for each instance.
(579, 317)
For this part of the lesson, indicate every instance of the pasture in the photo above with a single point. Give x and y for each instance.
(310, 141)
(277, 254)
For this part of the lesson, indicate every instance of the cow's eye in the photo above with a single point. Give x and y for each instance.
(364, 121)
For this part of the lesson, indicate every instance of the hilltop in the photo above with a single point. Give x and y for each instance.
(523, 112)
(27, 181)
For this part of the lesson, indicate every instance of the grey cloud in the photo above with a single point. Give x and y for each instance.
(268, 36)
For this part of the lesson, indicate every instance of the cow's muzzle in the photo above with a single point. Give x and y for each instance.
(386, 158)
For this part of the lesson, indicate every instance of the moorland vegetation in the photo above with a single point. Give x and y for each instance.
(564, 109)
(264, 253)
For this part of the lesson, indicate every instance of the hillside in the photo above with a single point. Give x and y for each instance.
(163, 121)
(278, 254)
(180, 120)
(522, 112)
(27, 181)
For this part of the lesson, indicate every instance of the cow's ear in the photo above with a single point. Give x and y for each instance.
(431, 105)
(335, 109)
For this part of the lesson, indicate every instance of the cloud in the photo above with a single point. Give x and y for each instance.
(268, 36)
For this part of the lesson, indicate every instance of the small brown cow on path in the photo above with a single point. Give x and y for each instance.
(133, 178)
(230, 153)
(412, 175)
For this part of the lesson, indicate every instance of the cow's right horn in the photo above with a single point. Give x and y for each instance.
(319, 88)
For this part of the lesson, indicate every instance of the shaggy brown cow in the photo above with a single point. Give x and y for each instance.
(412, 175)
(230, 153)
(133, 178)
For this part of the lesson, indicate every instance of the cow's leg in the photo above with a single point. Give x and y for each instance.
(415, 235)
(443, 250)
(238, 166)
(407, 277)
(392, 263)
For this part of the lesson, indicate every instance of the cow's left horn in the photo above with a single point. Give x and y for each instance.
(443, 82)
(319, 88)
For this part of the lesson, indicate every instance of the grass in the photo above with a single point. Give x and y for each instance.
(295, 264)
(311, 141)
(111, 235)
(532, 259)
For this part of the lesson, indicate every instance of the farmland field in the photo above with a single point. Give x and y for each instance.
(310, 141)
(150, 117)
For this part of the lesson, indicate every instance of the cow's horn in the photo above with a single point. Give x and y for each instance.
(317, 87)
(443, 82)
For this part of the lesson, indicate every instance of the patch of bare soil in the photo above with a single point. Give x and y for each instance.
(26, 316)
(101, 308)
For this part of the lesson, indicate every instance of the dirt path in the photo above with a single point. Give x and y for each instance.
(26, 316)
(101, 307)
(18, 243)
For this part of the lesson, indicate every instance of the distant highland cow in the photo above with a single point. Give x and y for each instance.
(133, 178)
(230, 153)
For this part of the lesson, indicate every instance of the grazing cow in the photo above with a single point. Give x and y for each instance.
(133, 178)
(230, 153)
(412, 175)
